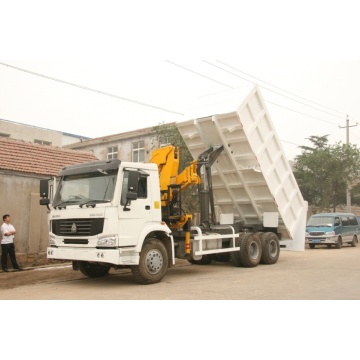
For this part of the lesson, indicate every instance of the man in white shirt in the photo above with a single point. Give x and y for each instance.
(7, 244)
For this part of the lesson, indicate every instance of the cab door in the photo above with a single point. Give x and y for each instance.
(135, 206)
(346, 229)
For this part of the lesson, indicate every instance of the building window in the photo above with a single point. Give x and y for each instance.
(164, 141)
(4, 135)
(42, 142)
(112, 152)
(138, 154)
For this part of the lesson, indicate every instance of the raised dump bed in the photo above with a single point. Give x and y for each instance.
(252, 178)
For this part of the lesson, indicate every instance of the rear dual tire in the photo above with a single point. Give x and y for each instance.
(250, 250)
(270, 248)
(256, 248)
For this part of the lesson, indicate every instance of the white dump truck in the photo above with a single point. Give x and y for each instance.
(120, 214)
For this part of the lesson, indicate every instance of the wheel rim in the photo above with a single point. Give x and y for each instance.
(254, 250)
(154, 261)
(273, 248)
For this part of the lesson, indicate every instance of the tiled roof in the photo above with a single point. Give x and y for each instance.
(27, 157)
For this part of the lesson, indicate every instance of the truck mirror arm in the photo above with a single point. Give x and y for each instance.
(45, 201)
(129, 196)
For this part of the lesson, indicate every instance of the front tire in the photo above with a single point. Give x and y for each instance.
(153, 263)
(354, 241)
(312, 246)
(338, 245)
(93, 269)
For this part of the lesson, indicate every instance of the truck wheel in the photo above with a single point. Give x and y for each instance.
(153, 263)
(338, 245)
(250, 251)
(354, 241)
(92, 269)
(312, 246)
(270, 248)
(235, 255)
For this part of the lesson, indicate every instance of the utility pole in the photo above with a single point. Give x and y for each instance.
(348, 196)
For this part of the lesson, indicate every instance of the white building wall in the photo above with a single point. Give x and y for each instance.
(31, 133)
(123, 141)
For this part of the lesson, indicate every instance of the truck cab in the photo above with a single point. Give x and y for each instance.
(103, 212)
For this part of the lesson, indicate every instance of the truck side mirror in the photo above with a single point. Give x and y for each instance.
(131, 196)
(133, 183)
(44, 193)
(44, 188)
(44, 201)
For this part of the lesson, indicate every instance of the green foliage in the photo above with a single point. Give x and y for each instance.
(323, 172)
(168, 134)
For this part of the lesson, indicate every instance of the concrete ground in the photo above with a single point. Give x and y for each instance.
(318, 274)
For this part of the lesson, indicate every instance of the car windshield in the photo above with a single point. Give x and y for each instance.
(88, 188)
(321, 221)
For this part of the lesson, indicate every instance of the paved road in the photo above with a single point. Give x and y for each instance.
(313, 274)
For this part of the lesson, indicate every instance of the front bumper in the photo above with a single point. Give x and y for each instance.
(321, 240)
(119, 256)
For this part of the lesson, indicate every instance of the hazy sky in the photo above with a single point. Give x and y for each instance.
(303, 56)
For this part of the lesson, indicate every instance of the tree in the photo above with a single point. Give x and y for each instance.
(324, 171)
(318, 142)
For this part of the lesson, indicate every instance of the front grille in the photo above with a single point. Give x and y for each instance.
(317, 233)
(76, 241)
(77, 227)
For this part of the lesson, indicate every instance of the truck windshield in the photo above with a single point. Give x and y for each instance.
(321, 221)
(88, 188)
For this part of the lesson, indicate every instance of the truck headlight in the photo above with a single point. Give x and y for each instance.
(331, 233)
(51, 240)
(107, 241)
(306, 233)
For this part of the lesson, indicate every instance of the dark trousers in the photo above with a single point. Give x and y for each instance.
(8, 249)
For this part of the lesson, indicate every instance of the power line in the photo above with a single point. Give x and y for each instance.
(183, 67)
(159, 108)
(194, 72)
(276, 87)
(287, 97)
(301, 113)
(90, 89)
(289, 142)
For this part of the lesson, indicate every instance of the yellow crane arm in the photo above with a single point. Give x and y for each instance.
(167, 159)
(188, 176)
